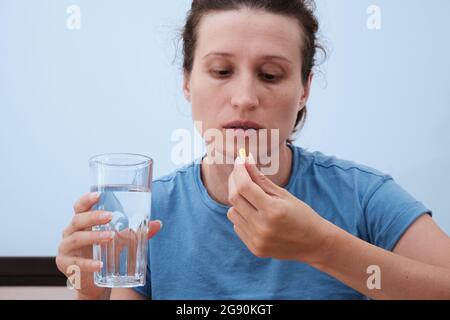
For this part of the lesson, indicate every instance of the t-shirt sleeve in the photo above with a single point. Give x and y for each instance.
(389, 212)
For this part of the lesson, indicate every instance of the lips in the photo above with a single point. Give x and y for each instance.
(243, 124)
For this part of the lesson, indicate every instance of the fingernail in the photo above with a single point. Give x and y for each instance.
(94, 195)
(160, 224)
(105, 215)
(97, 264)
(251, 159)
(239, 160)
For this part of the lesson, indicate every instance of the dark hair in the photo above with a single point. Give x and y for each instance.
(302, 10)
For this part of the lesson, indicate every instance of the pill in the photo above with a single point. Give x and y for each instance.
(242, 153)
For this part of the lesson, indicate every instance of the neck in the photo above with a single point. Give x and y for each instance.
(215, 176)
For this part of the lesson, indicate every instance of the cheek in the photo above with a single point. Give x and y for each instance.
(205, 102)
(200, 97)
(284, 113)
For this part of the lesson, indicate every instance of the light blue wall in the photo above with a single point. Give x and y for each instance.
(382, 99)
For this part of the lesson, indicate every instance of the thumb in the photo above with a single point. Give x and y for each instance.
(153, 228)
(260, 179)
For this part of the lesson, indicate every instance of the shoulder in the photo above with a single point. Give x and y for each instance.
(333, 163)
(180, 179)
(179, 173)
(332, 169)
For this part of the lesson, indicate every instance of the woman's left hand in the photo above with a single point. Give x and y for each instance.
(272, 222)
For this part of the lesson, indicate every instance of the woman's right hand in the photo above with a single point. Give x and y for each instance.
(75, 249)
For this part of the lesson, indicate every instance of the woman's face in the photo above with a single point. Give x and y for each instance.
(247, 67)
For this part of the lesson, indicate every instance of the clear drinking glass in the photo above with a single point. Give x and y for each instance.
(124, 183)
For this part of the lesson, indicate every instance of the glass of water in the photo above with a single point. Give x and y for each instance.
(124, 183)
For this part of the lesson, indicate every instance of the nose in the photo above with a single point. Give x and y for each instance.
(244, 94)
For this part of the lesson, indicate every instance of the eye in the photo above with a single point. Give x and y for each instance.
(221, 73)
(269, 77)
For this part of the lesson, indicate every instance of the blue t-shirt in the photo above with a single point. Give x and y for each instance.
(197, 254)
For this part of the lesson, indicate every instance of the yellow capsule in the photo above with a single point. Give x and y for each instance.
(242, 153)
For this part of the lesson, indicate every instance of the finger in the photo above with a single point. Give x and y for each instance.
(111, 257)
(115, 248)
(248, 189)
(238, 219)
(80, 239)
(121, 240)
(239, 202)
(85, 265)
(86, 220)
(133, 239)
(86, 202)
(154, 227)
(260, 179)
(244, 208)
(231, 185)
(244, 237)
(125, 239)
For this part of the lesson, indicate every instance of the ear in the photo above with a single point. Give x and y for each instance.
(304, 98)
(187, 86)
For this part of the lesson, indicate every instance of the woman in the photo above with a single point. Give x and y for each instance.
(316, 228)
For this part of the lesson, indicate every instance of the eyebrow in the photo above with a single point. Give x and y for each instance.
(265, 57)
